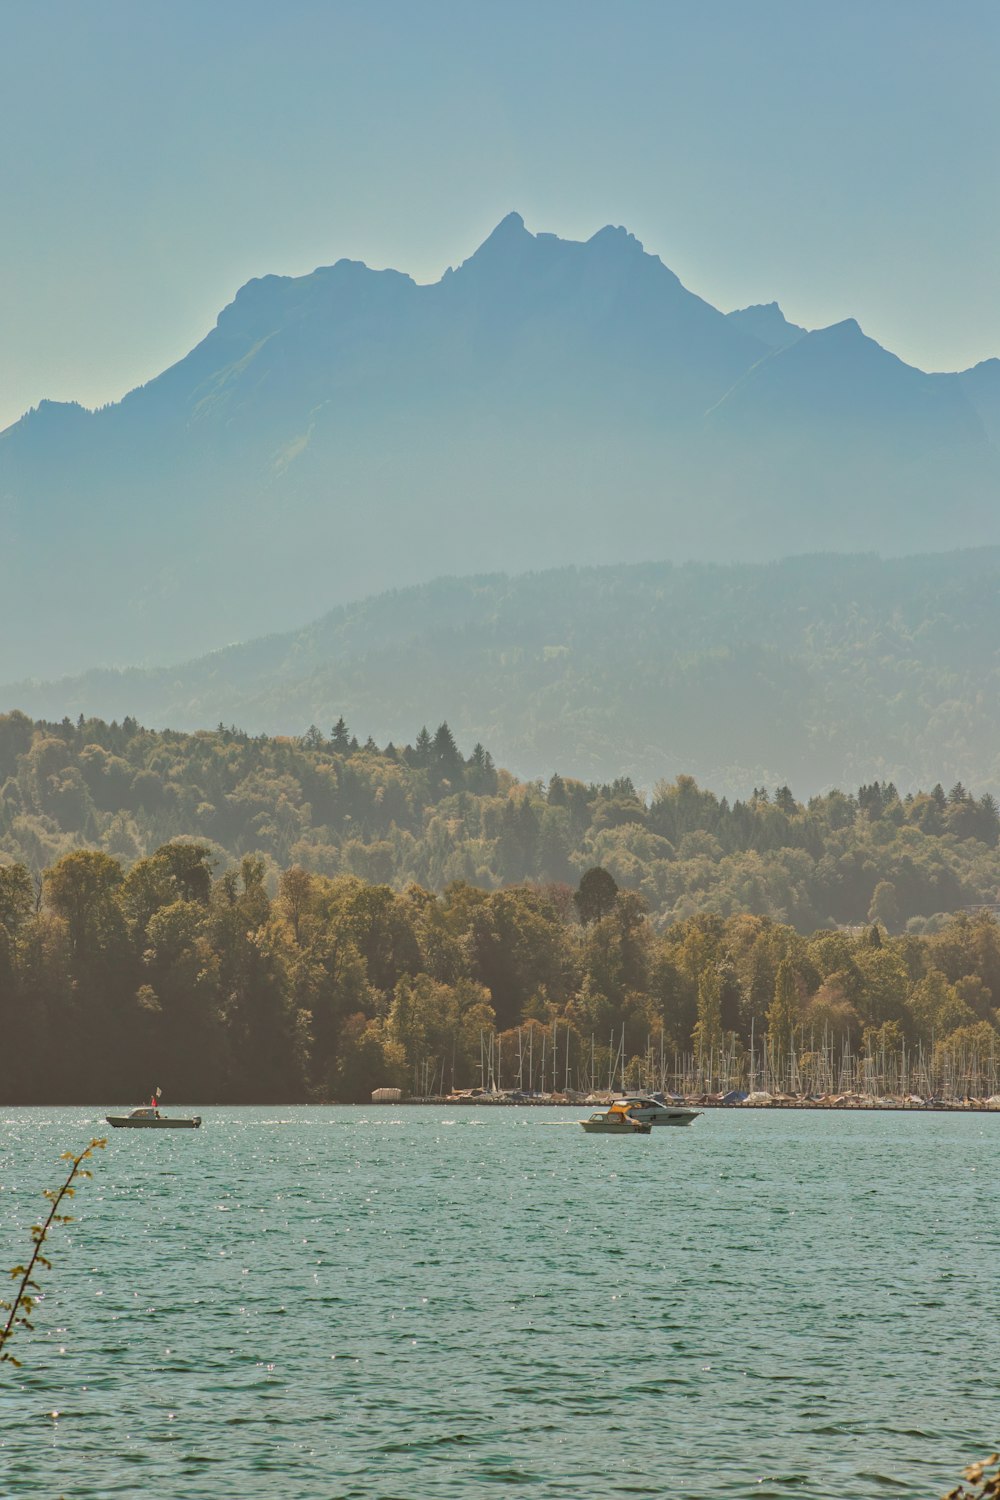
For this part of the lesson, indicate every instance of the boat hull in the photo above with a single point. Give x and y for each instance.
(657, 1112)
(123, 1122)
(601, 1127)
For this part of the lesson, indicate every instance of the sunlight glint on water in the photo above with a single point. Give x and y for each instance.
(424, 1303)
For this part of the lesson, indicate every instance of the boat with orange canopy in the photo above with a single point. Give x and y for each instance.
(618, 1120)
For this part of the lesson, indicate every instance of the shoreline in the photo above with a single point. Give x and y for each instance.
(895, 1106)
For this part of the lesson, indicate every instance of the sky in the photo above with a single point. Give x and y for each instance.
(842, 158)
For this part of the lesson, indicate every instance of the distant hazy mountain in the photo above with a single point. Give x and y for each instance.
(548, 402)
(982, 386)
(766, 321)
(816, 672)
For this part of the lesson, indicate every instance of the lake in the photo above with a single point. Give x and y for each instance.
(419, 1303)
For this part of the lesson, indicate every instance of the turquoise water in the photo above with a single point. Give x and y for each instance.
(414, 1304)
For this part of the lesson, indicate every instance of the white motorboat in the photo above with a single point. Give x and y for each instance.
(147, 1117)
(654, 1109)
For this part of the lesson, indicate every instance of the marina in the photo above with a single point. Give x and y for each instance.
(698, 1102)
(819, 1073)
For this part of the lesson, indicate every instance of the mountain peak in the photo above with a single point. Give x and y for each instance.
(504, 246)
(767, 322)
(510, 244)
(510, 231)
(616, 235)
(846, 334)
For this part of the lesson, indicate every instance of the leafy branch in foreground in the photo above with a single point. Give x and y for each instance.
(985, 1476)
(23, 1305)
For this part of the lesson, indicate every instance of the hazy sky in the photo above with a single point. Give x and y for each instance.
(841, 157)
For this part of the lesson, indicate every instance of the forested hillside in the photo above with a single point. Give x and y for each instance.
(813, 672)
(114, 981)
(425, 813)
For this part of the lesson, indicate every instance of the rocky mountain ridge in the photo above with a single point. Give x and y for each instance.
(547, 402)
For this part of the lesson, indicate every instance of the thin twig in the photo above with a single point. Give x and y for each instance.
(24, 1300)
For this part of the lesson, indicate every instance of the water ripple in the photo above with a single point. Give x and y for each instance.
(342, 1303)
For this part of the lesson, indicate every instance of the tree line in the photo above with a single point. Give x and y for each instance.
(819, 671)
(427, 814)
(115, 979)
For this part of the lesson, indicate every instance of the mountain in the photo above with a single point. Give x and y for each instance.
(766, 321)
(814, 672)
(982, 386)
(835, 379)
(878, 442)
(547, 402)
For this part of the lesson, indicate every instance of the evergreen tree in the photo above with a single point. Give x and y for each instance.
(422, 749)
(445, 752)
(482, 775)
(340, 737)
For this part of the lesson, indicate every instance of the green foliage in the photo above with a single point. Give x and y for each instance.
(259, 985)
(834, 670)
(112, 795)
(594, 897)
(19, 1311)
(707, 1035)
(265, 919)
